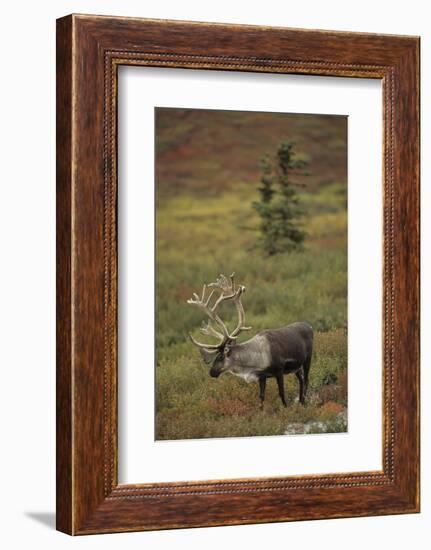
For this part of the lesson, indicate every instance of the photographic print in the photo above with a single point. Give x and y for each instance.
(251, 273)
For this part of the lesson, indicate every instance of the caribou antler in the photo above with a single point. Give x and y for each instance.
(209, 330)
(227, 292)
(241, 314)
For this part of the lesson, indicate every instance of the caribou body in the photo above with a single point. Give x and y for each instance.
(268, 354)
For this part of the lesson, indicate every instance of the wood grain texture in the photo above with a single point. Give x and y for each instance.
(64, 497)
(90, 49)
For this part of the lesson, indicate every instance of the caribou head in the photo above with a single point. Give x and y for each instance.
(219, 354)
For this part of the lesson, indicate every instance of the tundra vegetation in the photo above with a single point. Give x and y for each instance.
(207, 175)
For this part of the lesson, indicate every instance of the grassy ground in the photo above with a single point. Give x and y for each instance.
(200, 236)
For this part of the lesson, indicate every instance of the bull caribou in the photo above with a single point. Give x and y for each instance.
(271, 353)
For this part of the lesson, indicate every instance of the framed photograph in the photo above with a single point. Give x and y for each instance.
(237, 274)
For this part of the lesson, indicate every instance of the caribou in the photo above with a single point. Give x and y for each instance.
(271, 353)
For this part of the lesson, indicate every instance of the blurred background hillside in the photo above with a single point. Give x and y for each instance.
(207, 176)
(207, 151)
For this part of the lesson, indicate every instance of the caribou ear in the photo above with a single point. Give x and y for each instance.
(208, 355)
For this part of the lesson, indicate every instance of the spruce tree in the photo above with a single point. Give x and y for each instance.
(279, 208)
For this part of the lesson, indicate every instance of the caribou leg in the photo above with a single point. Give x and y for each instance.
(306, 368)
(280, 382)
(262, 386)
(300, 376)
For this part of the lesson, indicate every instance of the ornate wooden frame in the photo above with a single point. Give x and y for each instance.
(89, 51)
